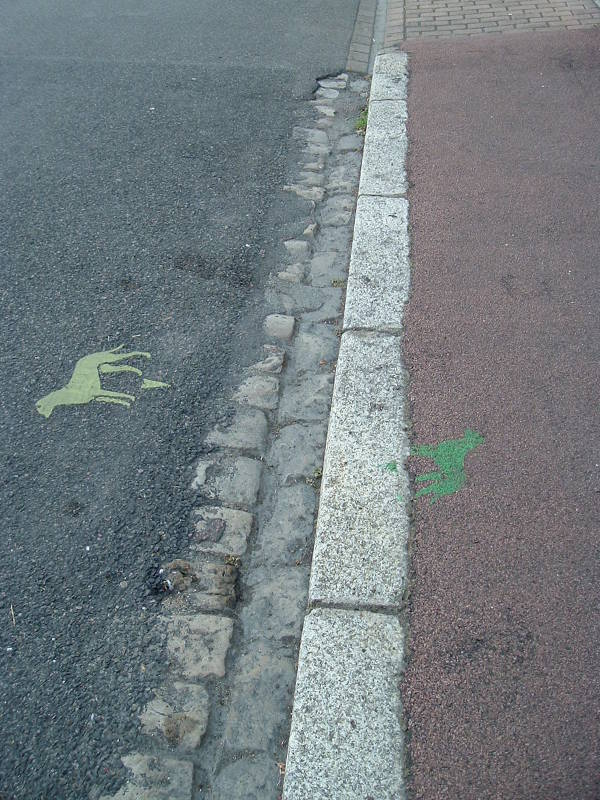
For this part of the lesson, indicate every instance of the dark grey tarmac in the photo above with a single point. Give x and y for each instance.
(144, 148)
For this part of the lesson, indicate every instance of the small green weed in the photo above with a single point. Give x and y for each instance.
(361, 125)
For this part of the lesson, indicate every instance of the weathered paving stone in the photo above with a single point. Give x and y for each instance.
(312, 178)
(262, 695)
(336, 239)
(317, 304)
(280, 326)
(277, 603)
(347, 171)
(329, 310)
(205, 586)
(219, 530)
(327, 267)
(333, 83)
(178, 714)
(261, 391)
(325, 123)
(306, 400)
(311, 135)
(297, 248)
(315, 349)
(339, 187)
(297, 453)
(315, 166)
(314, 193)
(327, 111)
(350, 162)
(359, 86)
(247, 431)
(197, 645)
(286, 537)
(291, 277)
(255, 777)
(155, 778)
(350, 142)
(294, 273)
(329, 94)
(311, 230)
(272, 363)
(337, 210)
(318, 150)
(233, 481)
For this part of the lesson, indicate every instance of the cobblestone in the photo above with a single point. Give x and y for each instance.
(234, 481)
(222, 531)
(336, 239)
(287, 534)
(307, 400)
(297, 248)
(211, 588)
(178, 714)
(155, 778)
(316, 304)
(337, 210)
(277, 603)
(297, 452)
(260, 391)
(247, 431)
(255, 777)
(349, 142)
(268, 674)
(273, 362)
(327, 267)
(316, 347)
(330, 94)
(250, 678)
(197, 644)
(279, 326)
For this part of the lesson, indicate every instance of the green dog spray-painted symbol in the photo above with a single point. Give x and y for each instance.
(85, 385)
(450, 458)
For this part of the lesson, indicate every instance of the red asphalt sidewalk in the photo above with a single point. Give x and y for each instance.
(502, 689)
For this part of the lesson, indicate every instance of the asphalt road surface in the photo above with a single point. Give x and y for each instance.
(143, 147)
(503, 685)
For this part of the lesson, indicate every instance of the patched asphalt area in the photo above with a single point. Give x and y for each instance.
(502, 690)
(141, 205)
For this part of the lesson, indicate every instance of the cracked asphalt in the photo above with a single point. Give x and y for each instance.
(144, 148)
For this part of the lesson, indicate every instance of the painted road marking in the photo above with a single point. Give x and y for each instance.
(449, 456)
(84, 385)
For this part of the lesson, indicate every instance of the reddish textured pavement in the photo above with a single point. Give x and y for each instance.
(503, 336)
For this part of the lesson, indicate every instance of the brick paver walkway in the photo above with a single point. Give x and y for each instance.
(410, 19)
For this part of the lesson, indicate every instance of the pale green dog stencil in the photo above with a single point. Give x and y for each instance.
(85, 385)
(449, 456)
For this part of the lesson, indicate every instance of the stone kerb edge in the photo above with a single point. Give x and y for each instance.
(345, 653)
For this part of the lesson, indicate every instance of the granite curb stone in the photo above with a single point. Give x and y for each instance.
(379, 270)
(362, 525)
(346, 739)
(383, 169)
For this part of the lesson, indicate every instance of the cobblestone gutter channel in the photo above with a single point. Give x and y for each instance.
(218, 727)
